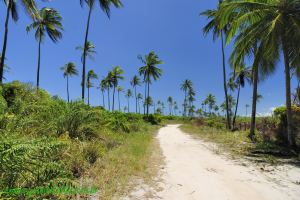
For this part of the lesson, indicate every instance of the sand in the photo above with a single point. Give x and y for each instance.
(193, 171)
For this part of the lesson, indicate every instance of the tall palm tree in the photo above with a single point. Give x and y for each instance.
(128, 96)
(213, 26)
(185, 86)
(247, 106)
(103, 87)
(275, 25)
(191, 99)
(119, 89)
(175, 108)
(105, 6)
(211, 102)
(109, 85)
(242, 74)
(170, 101)
(30, 8)
(89, 84)
(69, 70)
(48, 22)
(87, 51)
(139, 97)
(135, 81)
(150, 71)
(115, 75)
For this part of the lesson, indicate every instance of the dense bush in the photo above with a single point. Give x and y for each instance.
(44, 140)
(280, 112)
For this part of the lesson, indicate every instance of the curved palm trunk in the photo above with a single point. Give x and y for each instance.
(291, 138)
(68, 94)
(114, 91)
(254, 101)
(236, 107)
(5, 42)
(84, 54)
(39, 65)
(225, 85)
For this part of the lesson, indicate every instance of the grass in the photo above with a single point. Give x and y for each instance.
(237, 144)
(115, 171)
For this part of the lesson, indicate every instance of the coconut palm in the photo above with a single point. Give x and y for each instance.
(30, 7)
(115, 75)
(247, 106)
(89, 84)
(150, 71)
(211, 102)
(135, 81)
(103, 87)
(119, 90)
(265, 28)
(139, 97)
(213, 26)
(241, 75)
(191, 99)
(48, 22)
(185, 86)
(105, 5)
(69, 70)
(87, 51)
(149, 102)
(128, 95)
(175, 108)
(170, 101)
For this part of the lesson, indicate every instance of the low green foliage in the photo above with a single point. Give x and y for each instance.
(45, 141)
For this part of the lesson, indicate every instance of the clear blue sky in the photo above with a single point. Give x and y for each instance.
(172, 28)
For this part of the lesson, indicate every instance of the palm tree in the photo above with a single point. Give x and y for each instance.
(109, 84)
(103, 87)
(150, 71)
(185, 86)
(30, 8)
(119, 89)
(91, 75)
(135, 81)
(242, 74)
(211, 102)
(175, 108)
(139, 97)
(48, 22)
(105, 6)
(247, 106)
(115, 75)
(191, 99)
(265, 28)
(128, 96)
(69, 70)
(170, 101)
(213, 26)
(149, 102)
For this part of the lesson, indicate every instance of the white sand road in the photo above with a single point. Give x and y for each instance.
(194, 171)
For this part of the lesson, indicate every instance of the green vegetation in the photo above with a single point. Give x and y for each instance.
(46, 142)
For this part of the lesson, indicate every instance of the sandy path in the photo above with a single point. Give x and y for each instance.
(192, 171)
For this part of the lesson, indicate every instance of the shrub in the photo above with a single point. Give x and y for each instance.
(153, 119)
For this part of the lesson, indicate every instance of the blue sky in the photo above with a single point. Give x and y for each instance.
(171, 28)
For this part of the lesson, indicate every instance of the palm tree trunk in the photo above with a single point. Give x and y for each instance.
(139, 106)
(119, 101)
(225, 83)
(136, 106)
(84, 54)
(236, 107)
(39, 65)
(128, 104)
(103, 99)
(114, 91)
(108, 98)
(145, 97)
(88, 96)
(184, 105)
(68, 94)
(148, 97)
(254, 101)
(291, 138)
(4, 43)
